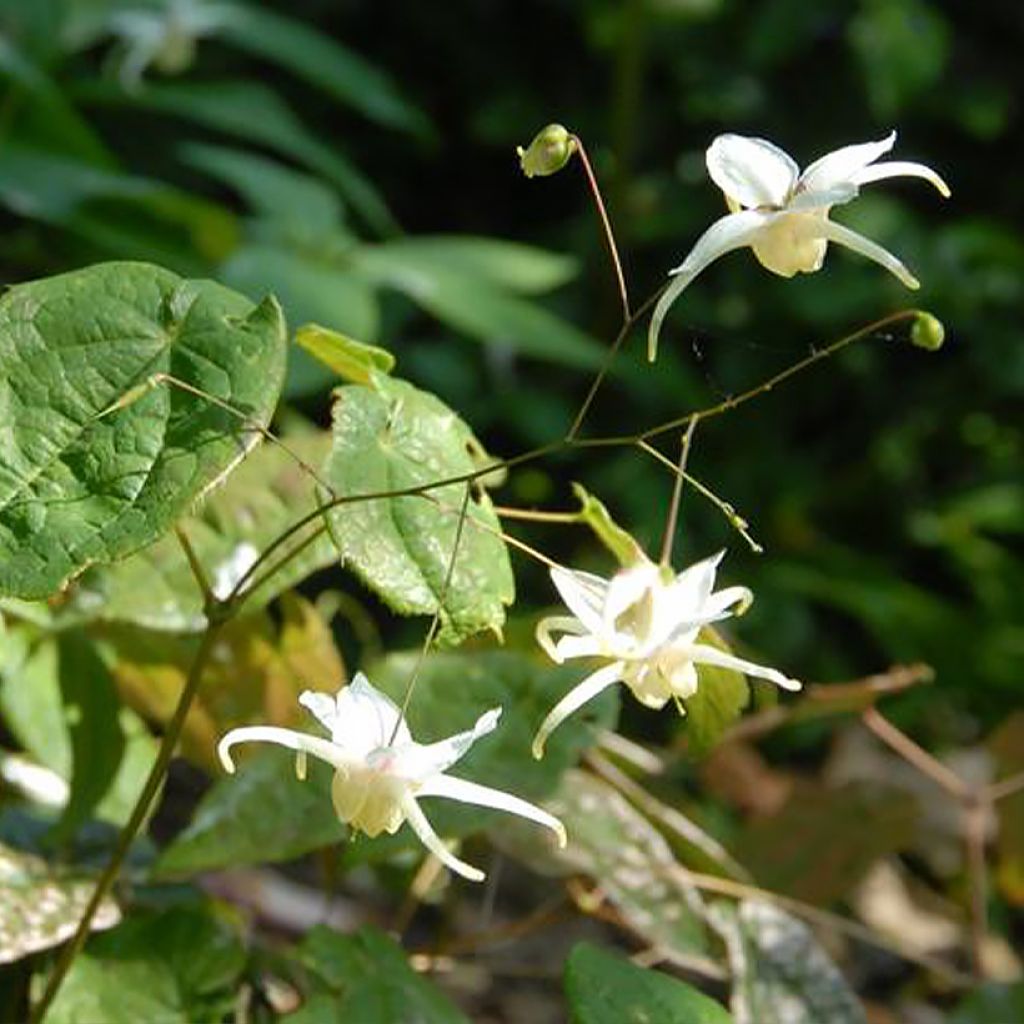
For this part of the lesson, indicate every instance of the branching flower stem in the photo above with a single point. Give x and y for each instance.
(220, 611)
(976, 807)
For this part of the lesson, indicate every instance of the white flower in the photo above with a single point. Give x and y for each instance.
(381, 772)
(644, 624)
(783, 214)
(164, 37)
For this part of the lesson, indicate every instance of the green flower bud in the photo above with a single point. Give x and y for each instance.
(927, 332)
(549, 152)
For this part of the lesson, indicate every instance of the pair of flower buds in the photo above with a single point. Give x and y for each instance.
(774, 208)
(643, 625)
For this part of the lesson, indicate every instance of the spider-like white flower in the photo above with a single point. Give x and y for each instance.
(164, 37)
(381, 772)
(644, 625)
(783, 214)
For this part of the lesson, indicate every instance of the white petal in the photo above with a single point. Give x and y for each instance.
(702, 654)
(575, 699)
(752, 172)
(901, 169)
(852, 240)
(324, 749)
(822, 199)
(322, 706)
(733, 231)
(561, 623)
(583, 594)
(483, 796)
(690, 590)
(365, 718)
(430, 839)
(842, 165)
(625, 589)
(418, 761)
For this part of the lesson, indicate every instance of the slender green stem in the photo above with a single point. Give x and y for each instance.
(677, 495)
(736, 521)
(628, 324)
(783, 375)
(435, 622)
(530, 515)
(613, 250)
(139, 813)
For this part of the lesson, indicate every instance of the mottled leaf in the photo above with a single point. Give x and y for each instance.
(781, 975)
(628, 859)
(41, 906)
(606, 989)
(94, 462)
(393, 436)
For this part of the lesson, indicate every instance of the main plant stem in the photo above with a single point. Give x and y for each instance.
(217, 618)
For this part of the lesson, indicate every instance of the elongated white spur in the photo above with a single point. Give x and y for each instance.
(783, 214)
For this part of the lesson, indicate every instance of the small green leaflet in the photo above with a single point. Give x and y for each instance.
(607, 989)
(392, 436)
(96, 458)
(364, 978)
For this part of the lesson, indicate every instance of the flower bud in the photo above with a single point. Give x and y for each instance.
(549, 151)
(927, 332)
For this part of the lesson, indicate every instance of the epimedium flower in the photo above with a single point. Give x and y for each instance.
(164, 36)
(644, 625)
(783, 214)
(381, 772)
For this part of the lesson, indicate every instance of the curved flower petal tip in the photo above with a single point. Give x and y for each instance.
(783, 215)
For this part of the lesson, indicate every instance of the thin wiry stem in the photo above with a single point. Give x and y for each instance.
(915, 754)
(677, 494)
(735, 520)
(595, 385)
(435, 622)
(595, 191)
